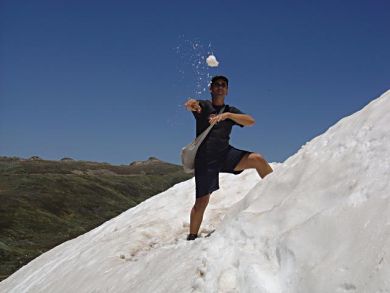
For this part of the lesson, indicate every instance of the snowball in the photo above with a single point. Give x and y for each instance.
(212, 61)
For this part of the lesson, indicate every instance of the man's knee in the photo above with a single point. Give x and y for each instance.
(202, 202)
(257, 158)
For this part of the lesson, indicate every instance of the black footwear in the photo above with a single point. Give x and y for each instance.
(192, 236)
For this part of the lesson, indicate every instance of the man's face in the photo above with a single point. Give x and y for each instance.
(219, 88)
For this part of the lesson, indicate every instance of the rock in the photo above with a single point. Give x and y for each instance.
(35, 158)
(148, 161)
(67, 159)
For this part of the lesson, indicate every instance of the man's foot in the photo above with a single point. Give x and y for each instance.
(192, 236)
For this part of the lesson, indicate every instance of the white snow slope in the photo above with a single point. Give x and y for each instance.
(319, 223)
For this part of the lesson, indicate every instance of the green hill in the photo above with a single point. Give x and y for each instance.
(44, 203)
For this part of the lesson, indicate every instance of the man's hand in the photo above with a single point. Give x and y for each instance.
(193, 105)
(216, 118)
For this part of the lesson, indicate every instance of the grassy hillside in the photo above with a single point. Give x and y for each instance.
(44, 203)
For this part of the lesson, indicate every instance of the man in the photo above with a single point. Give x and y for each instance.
(215, 154)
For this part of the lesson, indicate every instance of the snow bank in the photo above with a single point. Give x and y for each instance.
(319, 223)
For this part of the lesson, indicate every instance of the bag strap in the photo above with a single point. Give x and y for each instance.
(203, 135)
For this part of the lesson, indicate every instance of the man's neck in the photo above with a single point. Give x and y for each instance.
(218, 101)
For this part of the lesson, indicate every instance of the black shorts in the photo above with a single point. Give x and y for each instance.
(207, 174)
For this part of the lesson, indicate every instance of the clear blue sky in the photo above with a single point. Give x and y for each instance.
(105, 80)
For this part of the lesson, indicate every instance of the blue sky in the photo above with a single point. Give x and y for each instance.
(106, 80)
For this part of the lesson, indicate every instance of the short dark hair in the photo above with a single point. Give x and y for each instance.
(217, 77)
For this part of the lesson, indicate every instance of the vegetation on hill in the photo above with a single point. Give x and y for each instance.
(44, 203)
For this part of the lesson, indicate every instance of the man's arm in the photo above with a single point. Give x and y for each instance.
(193, 105)
(243, 119)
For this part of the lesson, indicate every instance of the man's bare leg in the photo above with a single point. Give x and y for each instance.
(197, 212)
(262, 167)
(254, 160)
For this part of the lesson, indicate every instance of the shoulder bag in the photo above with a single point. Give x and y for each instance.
(188, 152)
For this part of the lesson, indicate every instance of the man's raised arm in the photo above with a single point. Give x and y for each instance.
(193, 105)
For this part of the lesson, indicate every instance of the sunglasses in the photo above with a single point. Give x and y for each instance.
(219, 84)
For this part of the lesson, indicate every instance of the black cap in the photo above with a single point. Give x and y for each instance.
(217, 77)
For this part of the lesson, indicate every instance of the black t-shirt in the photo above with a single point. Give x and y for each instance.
(217, 141)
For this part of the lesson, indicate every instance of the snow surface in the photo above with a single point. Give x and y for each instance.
(319, 223)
